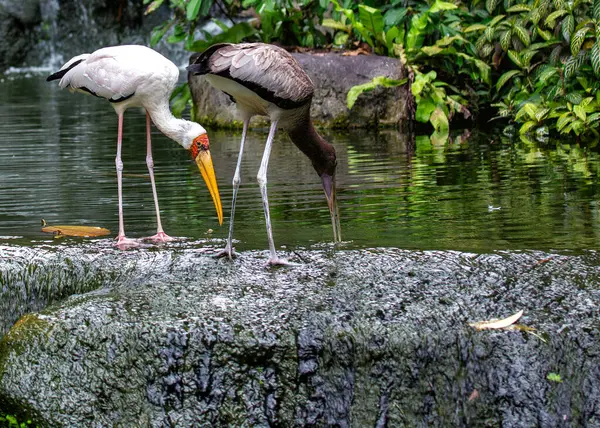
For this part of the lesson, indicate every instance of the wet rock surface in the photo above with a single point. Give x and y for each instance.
(348, 338)
(333, 75)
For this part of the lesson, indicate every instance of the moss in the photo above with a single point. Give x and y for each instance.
(16, 339)
(213, 122)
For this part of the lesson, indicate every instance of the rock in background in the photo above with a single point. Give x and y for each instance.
(333, 75)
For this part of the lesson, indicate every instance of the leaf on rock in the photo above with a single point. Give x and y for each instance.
(497, 324)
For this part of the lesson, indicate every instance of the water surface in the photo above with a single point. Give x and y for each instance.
(481, 193)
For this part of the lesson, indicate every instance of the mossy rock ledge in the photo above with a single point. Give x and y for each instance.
(333, 74)
(374, 337)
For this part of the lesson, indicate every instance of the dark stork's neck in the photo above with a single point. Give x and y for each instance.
(322, 154)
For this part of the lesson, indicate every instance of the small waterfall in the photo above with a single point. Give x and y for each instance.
(66, 28)
(49, 13)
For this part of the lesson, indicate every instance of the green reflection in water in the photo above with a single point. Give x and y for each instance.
(477, 193)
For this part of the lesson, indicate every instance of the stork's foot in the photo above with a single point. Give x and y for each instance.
(124, 243)
(227, 252)
(276, 261)
(160, 237)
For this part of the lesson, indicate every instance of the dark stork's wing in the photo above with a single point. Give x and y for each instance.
(269, 71)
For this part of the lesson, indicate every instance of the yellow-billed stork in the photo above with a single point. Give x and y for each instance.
(137, 76)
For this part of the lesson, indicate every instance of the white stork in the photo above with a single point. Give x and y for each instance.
(266, 80)
(137, 76)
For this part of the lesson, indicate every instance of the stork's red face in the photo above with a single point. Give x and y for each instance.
(201, 154)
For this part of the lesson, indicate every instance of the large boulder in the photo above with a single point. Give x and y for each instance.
(348, 338)
(333, 74)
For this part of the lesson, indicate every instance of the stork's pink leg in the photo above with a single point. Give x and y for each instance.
(160, 236)
(122, 241)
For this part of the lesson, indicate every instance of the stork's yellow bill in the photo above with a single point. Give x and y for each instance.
(203, 159)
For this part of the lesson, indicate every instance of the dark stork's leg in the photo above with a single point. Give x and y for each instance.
(122, 241)
(160, 236)
(228, 250)
(262, 182)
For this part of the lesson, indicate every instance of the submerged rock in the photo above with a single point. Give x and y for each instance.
(348, 338)
(333, 75)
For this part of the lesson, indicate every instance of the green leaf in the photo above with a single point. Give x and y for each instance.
(355, 91)
(496, 20)
(153, 6)
(546, 74)
(416, 34)
(574, 98)
(158, 33)
(578, 39)
(394, 16)
(574, 63)
(439, 120)
(384, 81)
(489, 34)
(551, 19)
(541, 114)
(340, 38)
(372, 19)
(546, 35)
(514, 57)
(424, 109)
(579, 112)
(505, 78)
(596, 10)
(490, 5)
(563, 120)
(474, 27)
(568, 24)
(330, 23)
(234, 34)
(505, 39)
(595, 57)
(527, 126)
(192, 9)
(519, 8)
(522, 34)
(440, 5)
(432, 50)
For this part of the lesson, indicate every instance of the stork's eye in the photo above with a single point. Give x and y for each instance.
(202, 142)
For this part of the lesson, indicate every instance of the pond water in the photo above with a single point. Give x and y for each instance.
(478, 193)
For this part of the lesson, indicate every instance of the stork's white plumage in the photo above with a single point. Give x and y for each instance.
(137, 76)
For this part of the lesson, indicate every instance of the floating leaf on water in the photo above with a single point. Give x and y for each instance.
(83, 231)
(497, 324)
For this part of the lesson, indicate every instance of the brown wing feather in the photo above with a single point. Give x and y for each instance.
(263, 67)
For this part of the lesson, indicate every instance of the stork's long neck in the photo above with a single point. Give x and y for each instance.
(168, 124)
(304, 135)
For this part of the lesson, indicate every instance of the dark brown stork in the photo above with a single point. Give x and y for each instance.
(266, 80)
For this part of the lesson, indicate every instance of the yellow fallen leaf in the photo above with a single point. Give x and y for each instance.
(497, 324)
(83, 231)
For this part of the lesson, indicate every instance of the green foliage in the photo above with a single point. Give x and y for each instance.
(554, 377)
(428, 41)
(288, 22)
(536, 61)
(386, 82)
(548, 59)
(11, 421)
